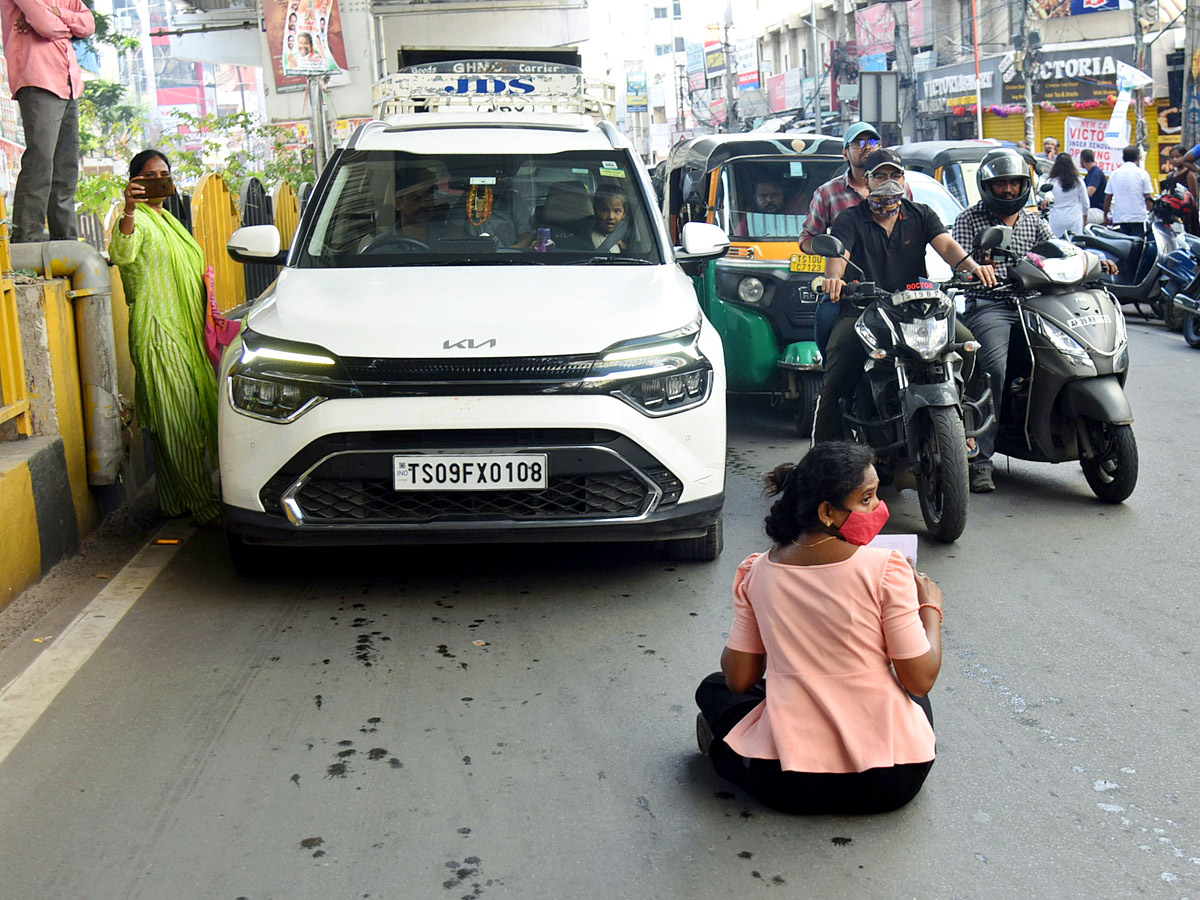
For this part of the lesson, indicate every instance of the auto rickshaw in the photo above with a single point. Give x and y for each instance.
(758, 296)
(954, 163)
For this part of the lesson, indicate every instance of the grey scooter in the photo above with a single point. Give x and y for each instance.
(1065, 397)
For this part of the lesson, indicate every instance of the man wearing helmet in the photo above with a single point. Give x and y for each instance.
(1005, 186)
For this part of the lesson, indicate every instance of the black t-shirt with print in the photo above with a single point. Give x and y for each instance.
(891, 261)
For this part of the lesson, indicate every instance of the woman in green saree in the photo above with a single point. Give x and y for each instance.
(162, 269)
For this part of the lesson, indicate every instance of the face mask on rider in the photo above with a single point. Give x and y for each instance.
(885, 199)
(862, 528)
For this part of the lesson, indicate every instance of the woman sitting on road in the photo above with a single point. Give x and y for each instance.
(1071, 201)
(833, 729)
(162, 269)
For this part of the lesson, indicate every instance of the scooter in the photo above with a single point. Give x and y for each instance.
(1140, 280)
(909, 404)
(1182, 270)
(1067, 365)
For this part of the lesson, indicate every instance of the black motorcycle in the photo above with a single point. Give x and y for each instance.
(909, 405)
(1067, 364)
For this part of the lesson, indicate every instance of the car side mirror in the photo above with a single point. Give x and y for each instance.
(827, 245)
(256, 244)
(701, 242)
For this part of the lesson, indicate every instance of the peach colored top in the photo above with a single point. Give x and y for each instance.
(829, 631)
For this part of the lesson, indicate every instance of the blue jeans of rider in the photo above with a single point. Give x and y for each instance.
(992, 325)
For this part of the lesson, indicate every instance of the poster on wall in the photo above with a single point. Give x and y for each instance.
(305, 37)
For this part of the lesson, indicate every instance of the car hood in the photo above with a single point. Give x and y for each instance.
(434, 312)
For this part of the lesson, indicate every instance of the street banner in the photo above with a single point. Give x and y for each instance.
(636, 98)
(695, 65)
(714, 58)
(717, 108)
(1089, 134)
(305, 37)
(1061, 9)
(777, 93)
(747, 64)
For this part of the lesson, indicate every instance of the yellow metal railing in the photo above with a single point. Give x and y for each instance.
(14, 401)
(214, 219)
(286, 206)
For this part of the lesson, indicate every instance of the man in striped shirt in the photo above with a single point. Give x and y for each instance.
(839, 194)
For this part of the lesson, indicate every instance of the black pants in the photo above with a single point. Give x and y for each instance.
(803, 793)
(844, 359)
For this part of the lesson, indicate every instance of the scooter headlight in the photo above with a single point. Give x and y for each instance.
(750, 290)
(1074, 351)
(925, 337)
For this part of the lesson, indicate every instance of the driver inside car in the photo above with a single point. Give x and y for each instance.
(419, 215)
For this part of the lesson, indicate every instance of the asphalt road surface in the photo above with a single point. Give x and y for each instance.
(491, 722)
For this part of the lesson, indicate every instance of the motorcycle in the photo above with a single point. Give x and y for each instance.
(1140, 279)
(1182, 270)
(1067, 365)
(909, 404)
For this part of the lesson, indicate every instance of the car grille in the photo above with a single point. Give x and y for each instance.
(327, 500)
(594, 475)
(498, 370)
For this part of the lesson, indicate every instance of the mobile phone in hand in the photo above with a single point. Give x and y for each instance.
(157, 186)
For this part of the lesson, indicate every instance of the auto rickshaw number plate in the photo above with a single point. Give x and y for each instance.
(807, 262)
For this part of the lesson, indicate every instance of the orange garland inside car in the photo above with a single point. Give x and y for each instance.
(473, 204)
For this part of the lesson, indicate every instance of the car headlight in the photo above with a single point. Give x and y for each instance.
(1074, 351)
(268, 398)
(278, 381)
(750, 290)
(926, 337)
(658, 375)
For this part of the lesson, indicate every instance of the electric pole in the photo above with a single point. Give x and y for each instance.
(908, 77)
(1141, 9)
(1191, 76)
(816, 67)
(842, 31)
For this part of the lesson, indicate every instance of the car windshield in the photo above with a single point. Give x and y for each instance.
(768, 198)
(388, 208)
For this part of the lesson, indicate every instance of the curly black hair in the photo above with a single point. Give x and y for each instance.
(830, 471)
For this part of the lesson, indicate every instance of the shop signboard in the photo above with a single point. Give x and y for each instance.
(1069, 76)
(1060, 9)
(944, 88)
(747, 64)
(1088, 134)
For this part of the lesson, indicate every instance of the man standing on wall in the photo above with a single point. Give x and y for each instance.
(46, 83)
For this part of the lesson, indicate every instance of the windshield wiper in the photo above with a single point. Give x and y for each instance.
(610, 259)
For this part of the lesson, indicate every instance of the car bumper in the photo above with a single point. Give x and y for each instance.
(685, 520)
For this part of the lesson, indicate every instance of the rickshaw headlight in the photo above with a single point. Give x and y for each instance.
(750, 290)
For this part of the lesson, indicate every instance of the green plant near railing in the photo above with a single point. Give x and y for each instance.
(99, 193)
(237, 146)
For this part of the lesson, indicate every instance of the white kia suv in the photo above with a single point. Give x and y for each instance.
(481, 332)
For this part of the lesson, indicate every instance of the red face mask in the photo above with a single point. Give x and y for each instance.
(862, 528)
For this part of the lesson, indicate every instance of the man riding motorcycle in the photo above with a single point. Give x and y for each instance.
(1005, 187)
(885, 238)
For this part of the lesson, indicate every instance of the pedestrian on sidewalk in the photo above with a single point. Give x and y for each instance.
(162, 269)
(46, 81)
(1127, 201)
(850, 640)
